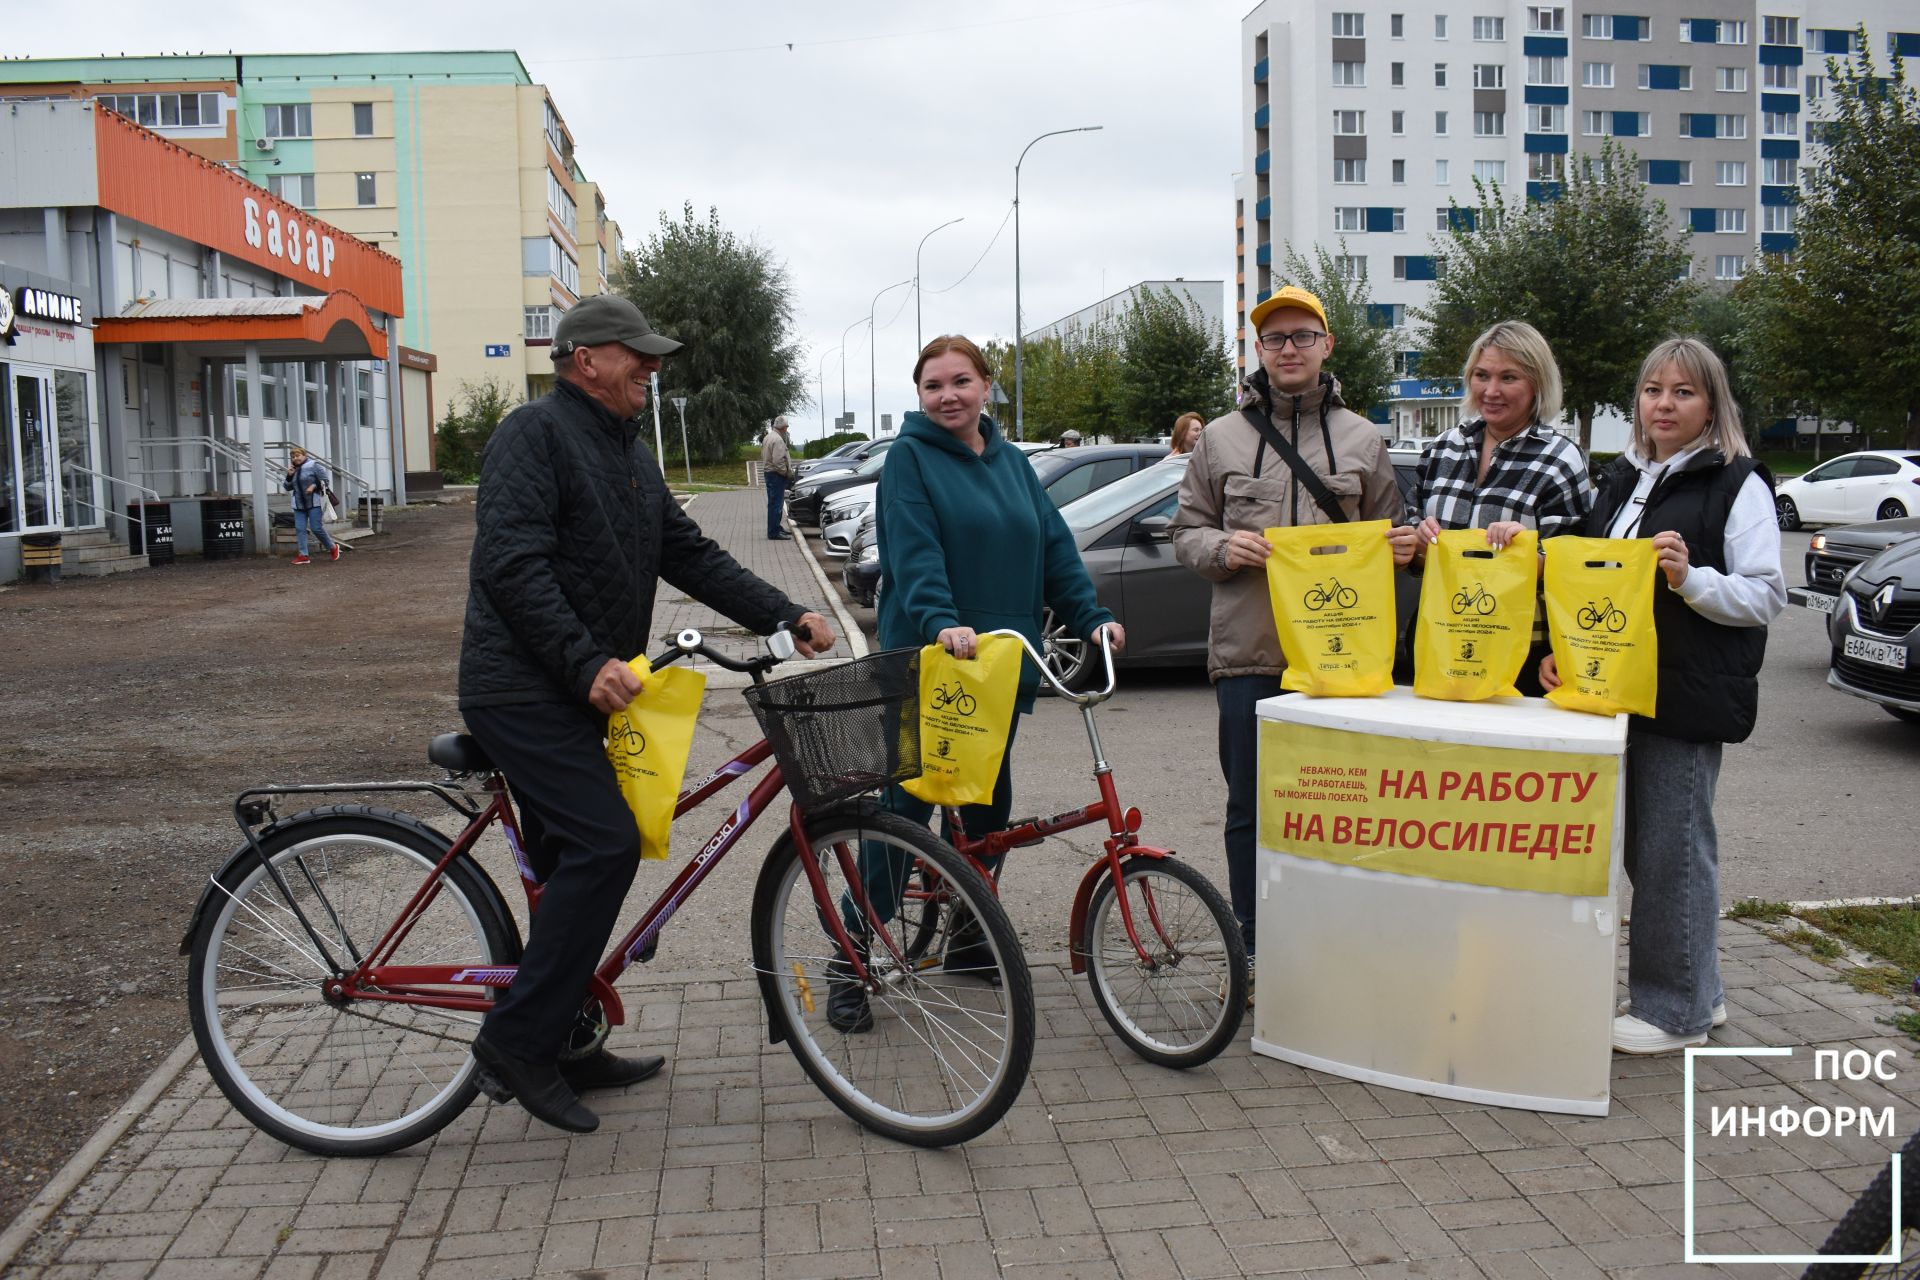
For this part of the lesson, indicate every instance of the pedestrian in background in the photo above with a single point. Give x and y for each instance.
(1689, 481)
(1069, 439)
(308, 481)
(1186, 434)
(776, 468)
(1507, 469)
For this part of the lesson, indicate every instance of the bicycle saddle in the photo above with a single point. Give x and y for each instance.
(460, 752)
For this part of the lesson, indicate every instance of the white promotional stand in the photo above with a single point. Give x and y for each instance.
(1405, 952)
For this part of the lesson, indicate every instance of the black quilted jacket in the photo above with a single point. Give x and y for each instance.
(575, 528)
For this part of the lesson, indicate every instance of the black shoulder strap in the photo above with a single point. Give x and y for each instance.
(1306, 475)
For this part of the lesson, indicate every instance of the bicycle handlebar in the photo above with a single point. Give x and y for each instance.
(1077, 699)
(690, 642)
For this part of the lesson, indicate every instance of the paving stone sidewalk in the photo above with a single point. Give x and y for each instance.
(731, 1164)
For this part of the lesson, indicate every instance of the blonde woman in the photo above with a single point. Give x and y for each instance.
(1689, 482)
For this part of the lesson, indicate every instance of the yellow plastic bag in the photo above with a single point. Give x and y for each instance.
(966, 708)
(1476, 616)
(1600, 617)
(1332, 592)
(647, 744)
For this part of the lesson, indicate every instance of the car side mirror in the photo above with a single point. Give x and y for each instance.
(1153, 529)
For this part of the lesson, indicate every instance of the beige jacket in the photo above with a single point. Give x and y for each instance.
(775, 456)
(1235, 481)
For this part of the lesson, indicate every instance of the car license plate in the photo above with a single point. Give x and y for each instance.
(1818, 601)
(1878, 652)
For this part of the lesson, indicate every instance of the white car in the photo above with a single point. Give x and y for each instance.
(841, 519)
(1875, 484)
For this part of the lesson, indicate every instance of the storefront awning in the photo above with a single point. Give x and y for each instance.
(332, 326)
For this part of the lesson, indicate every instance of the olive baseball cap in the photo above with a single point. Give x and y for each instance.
(607, 317)
(1291, 296)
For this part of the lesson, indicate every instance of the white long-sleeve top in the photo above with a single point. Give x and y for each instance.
(1753, 591)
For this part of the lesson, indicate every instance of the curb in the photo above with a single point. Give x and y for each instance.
(856, 638)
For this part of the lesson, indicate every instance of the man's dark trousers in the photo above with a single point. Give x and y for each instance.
(1240, 765)
(584, 845)
(776, 502)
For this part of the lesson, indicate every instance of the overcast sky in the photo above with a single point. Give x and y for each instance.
(837, 134)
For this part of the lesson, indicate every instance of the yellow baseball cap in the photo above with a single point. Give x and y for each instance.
(1290, 296)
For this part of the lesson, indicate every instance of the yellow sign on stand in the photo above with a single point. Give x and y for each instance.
(1469, 814)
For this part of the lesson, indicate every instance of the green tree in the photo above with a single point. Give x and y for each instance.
(731, 303)
(473, 412)
(1171, 361)
(1362, 356)
(1834, 327)
(821, 448)
(1598, 269)
(1716, 321)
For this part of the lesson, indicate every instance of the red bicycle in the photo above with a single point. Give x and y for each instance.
(343, 958)
(1156, 940)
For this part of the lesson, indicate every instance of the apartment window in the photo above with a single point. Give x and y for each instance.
(1778, 171)
(560, 203)
(1677, 173)
(1350, 73)
(1397, 25)
(1730, 173)
(1545, 21)
(1546, 70)
(294, 188)
(1729, 266)
(1732, 79)
(1442, 173)
(1542, 118)
(363, 119)
(1494, 171)
(1776, 217)
(1440, 124)
(1596, 75)
(539, 324)
(1349, 170)
(1730, 221)
(1733, 126)
(1439, 75)
(1666, 77)
(1398, 119)
(1779, 30)
(165, 110)
(1350, 26)
(562, 267)
(1779, 124)
(1816, 88)
(1773, 77)
(314, 399)
(1596, 26)
(1399, 219)
(288, 120)
(1633, 124)
(1349, 218)
(1489, 28)
(1349, 123)
(556, 134)
(1350, 266)
(365, 192)
(1489, 75)
(1835, 41)
(1489, 124)
(1397, 74)
(1546, 168)
(1733, 31)
(1593, 124)
(1439, 26)
(1399, 173)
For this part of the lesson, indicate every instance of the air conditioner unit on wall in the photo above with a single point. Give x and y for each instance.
(263, 144)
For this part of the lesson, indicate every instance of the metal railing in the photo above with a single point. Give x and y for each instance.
(140, 520)
(240, 460)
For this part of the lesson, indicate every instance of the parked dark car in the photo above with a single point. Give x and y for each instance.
(1875, 630)
(809, 495)
(1835, 552)
(845, 458)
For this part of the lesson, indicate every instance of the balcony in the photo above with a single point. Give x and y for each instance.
(1260, 71)
(1263, 211)
(1263, 162)
(1261, 115)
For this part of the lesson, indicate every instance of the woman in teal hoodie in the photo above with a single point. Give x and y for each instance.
(969, 542)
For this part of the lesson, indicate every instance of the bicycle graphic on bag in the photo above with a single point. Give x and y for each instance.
(1332, 591)
(1478, 599)
(957, 697)
(1592, 617)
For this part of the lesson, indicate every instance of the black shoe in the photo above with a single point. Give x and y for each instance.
(847, 1008)
(780, 537)
(968, 952)
(538, 1087)
(603, 1070)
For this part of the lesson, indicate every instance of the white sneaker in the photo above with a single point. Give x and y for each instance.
(1719, 1011)
(1631, 1035)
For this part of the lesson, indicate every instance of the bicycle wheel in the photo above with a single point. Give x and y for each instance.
(1587, 618)
(1347, 598)
(355, 1077)
(1867, 1228)
(1185, 1007)
(946, 1052)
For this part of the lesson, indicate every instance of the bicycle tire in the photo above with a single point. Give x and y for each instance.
(1616, 622)
(1485, 604)
(947, 1053)
(1186, 1008)
(1588, 619)
(1867, 1227)
(1347, 598)
(340, 1079)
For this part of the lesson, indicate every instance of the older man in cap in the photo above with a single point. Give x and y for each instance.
(776, 467)
(575, 531)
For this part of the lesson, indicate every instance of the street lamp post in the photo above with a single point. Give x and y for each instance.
(1019, 415)
(686, 456)
(918, 341)
(820, 380)
(843, 364)
(873, 377)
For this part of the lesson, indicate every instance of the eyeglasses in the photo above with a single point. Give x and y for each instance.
(1301, 338)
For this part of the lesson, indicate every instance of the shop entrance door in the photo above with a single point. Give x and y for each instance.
(31, 464)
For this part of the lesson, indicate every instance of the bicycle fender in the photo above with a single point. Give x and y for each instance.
(1083, 899)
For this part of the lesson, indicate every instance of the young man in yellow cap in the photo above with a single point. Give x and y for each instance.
(1236, 485)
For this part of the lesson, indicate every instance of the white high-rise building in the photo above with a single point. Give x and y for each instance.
(1364, 119)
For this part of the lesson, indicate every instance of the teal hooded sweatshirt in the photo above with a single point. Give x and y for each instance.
(972, 540)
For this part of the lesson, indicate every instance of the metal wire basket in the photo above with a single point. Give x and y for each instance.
(845, 729)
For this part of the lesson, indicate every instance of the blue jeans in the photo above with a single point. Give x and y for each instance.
(1673, 862)
(314, 517)
(884, 867)
(776, 502)
(1240, 766)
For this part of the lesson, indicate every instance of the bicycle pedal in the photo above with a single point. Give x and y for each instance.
(490, 1084)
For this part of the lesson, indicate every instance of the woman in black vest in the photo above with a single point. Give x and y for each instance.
(1688, 481)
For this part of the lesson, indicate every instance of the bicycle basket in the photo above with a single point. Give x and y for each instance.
(845, 729)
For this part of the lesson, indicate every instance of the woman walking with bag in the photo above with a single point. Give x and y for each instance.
(1690, 482)
(309, 482)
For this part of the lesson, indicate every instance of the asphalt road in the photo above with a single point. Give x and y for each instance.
(1816, 805)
